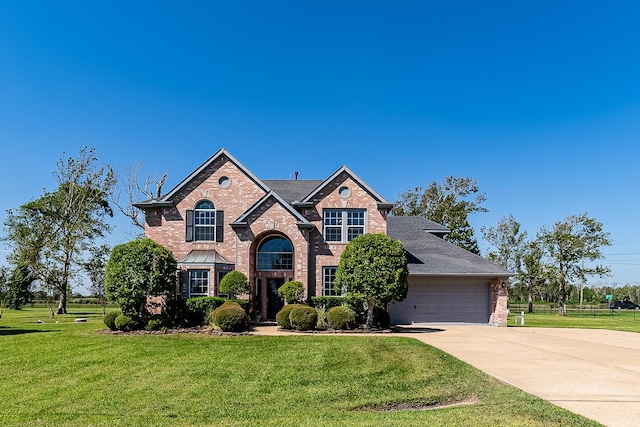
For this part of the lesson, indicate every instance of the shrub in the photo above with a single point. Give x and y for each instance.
(109, 319)
(234, 283)
(292, 292)
(154, 325)
(244, 303)
(303, 318)
(381, 318)
(199, 308)
(211, 317)
(282, 318)
(341, 317)
(322, 317)
(231, 318)
(125, 323)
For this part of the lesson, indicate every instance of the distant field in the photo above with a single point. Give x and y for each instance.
(589, 318)
(69, 374)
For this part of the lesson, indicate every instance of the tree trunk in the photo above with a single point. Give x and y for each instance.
(370, 304)
(530, 299)
(62, 304)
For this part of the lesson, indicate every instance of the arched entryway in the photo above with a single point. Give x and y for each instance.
(274, 266)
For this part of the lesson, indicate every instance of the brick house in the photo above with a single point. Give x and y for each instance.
(222, 217)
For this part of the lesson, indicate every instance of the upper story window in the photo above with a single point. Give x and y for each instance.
(343, 225)
(205, 223)
(275, 253)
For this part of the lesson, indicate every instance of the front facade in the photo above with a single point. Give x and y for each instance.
(222, 217)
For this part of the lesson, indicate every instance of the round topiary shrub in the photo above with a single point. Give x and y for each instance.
(341, 317)
(125, 323)
(282, 318)
(303, 318)
(109, 319)
(292, 292)
(231, 318)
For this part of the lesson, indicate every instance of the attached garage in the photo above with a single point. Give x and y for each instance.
(447, 284)
(444, 300)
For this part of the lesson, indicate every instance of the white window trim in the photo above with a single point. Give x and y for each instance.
(189, 278)
(344, 227)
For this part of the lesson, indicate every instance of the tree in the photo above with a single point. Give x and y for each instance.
(234, 283)
(508, 241)
(566, 246)
(137, 270)
(95, 269)
(292, 292)
(532, 276)
(449, 204)
(134, 188)
(374, 266)
(50, 235)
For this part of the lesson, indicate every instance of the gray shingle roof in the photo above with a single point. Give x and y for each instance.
(292, 190)
(433, 256)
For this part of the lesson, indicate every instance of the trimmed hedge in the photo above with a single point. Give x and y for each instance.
(303, 318)
(341, 317)
(199, 307)
(282, 318)
(230, 317)
(125, 323)
(109, 319)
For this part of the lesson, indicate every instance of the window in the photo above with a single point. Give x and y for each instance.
(343, 225)
(204, 223)
(328, 279)
(275, 253)
(221, 274)
(198, 283)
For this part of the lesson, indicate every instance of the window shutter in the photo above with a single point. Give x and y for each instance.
(189, 230)
(219, 226)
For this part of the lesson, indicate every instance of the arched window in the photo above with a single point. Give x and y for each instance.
(275, 253)
(204, 221)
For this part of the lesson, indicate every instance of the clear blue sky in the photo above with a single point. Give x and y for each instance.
(538, 101)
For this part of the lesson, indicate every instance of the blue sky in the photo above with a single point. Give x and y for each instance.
(538, 101)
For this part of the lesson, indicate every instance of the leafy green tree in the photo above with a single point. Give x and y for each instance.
(533, 275)
(508, 242)
(450, 204)
(566, 246)
(16, 289)
(50, 235)
(374, 266)
(136, 270)
(234, 283)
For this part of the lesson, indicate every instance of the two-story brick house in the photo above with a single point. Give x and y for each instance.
(222, 217)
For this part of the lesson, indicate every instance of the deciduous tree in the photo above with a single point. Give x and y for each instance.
(450, 204)
(136, 270)
(51, 234)
(374, 266)
(566, 246)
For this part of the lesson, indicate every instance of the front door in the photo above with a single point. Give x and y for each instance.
(274, 302)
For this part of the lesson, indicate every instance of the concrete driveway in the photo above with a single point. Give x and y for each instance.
(594, 373)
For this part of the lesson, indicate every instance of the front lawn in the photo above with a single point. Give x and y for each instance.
(68, 373)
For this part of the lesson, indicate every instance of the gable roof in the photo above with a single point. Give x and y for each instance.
(293, 190)
(165, 201)
(382, 202)
(429, 255)
(242, 221)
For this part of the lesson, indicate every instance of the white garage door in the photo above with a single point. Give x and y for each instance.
(443, 302)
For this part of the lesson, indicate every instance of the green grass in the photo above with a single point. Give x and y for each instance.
(59, 374)
(618, 320)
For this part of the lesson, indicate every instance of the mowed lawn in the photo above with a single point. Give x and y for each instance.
(616, 320)
(60, 374)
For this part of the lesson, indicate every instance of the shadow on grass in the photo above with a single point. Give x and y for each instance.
(4, 330)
